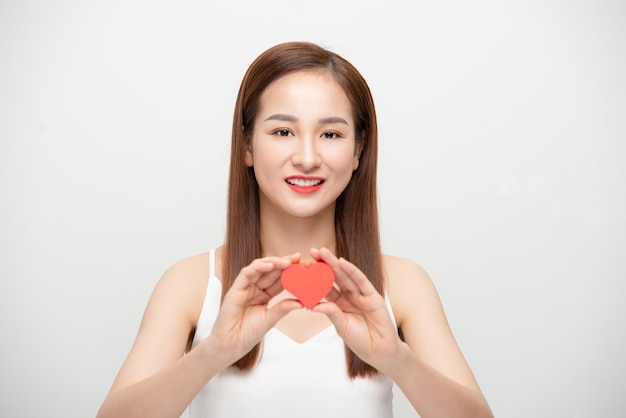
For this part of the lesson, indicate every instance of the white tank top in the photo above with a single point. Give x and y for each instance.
(290, 379)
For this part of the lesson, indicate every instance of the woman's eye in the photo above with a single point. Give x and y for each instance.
(330, 135)
(283, 132)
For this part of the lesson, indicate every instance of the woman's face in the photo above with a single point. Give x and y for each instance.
(303, 144)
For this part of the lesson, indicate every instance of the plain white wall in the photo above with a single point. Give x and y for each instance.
(502, 172)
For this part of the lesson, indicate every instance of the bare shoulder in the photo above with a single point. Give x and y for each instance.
(420, 316)
(187, 271)
(408, 286)
(184, 284)
(399, 269)
(402, 274)
(168, 321)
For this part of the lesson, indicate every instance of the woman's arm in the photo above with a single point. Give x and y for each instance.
(158, 379)
(428, 366)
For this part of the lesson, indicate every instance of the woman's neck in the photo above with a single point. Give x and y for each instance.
(282, 235)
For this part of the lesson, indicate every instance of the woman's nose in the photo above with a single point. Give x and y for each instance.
(306, 154)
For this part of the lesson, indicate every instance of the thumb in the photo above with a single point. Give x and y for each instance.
(282, 308)
(334, 313)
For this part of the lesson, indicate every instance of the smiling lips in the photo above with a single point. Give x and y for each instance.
(304, 184)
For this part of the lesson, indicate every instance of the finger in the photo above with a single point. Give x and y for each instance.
(280, 263)
(338, 318)
(282, 308)
(356, 276)
(345, 304)
(251, 273)
(343, 280)
(274, 289)
(333, 295)
(267, 279)
(315, 254)
(295, 257)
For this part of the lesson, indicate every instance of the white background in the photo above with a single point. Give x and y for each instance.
(502, 135)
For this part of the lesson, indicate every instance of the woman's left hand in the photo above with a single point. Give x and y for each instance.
(359, 313)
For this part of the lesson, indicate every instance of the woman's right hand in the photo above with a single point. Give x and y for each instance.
(244, 317)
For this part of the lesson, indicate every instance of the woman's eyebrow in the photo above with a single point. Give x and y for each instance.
(290, 118)
(333, 119)
(282, 117)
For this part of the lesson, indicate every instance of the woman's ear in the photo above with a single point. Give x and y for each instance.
(248, 158)
(248, 144)
(357, 156)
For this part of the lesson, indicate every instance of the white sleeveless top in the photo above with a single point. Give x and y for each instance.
(290, 379)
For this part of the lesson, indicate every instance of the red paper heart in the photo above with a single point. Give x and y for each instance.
(309, 284)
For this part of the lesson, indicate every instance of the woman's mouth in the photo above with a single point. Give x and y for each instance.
(304, 185)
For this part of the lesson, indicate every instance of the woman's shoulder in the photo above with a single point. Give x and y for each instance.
(191, 268)
(182, 286)
(408, 285)
(402, 271)
(172, 311)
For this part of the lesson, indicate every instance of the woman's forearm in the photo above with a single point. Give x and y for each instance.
(434, 395)
(168, 392)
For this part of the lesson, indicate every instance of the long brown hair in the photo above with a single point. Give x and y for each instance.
(356, 211)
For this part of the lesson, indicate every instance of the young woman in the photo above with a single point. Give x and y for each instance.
(222, 336)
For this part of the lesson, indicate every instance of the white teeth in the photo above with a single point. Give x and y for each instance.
(304, 182)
